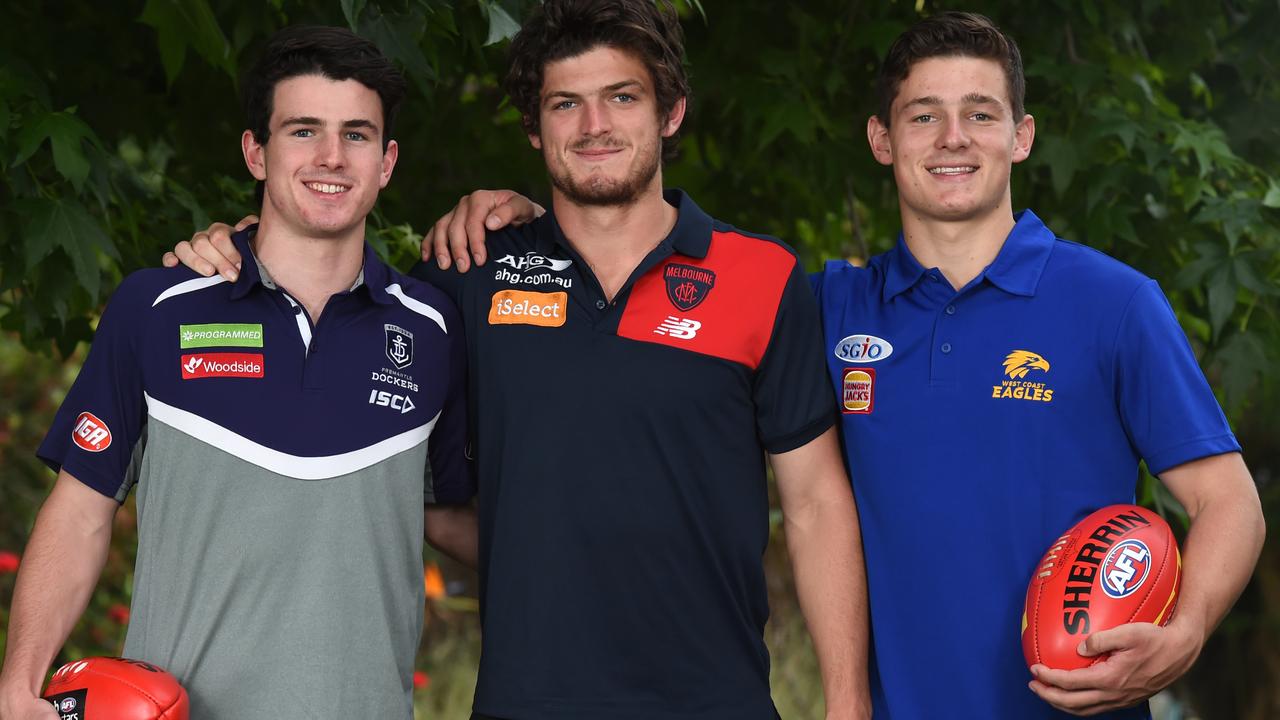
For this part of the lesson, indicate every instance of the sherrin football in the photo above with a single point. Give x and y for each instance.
(102, 688)
(1119, 565)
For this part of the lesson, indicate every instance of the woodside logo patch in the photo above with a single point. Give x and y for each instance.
(519, 307)
(232, 365)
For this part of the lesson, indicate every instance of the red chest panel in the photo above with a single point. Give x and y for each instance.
(723, 305)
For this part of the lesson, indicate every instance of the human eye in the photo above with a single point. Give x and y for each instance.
(923, 118)
(983, 116)
(356, 136)
(624, 98)
(303, 133)
(564, 105)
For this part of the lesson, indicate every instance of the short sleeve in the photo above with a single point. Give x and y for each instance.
(452, 480)
(1168, 409)
(102, 418)
(794, 402)
(448, 281)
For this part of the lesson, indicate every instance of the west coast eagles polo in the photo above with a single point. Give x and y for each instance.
(281, 489)
(621, 449)
(979, 424)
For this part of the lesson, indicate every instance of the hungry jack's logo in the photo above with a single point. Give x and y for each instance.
(1018, 367)
(687, 286)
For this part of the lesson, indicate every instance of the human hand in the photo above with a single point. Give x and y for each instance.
(209, 251)
(22, 706)
(459, 235)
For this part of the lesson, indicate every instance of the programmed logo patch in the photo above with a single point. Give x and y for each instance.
(687, 286)
(1125, 568)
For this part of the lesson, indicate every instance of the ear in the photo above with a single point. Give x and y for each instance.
(878, 139)
(534, 138)
(1024, 134)
(388, 163)
(254, 155)
(675, 117)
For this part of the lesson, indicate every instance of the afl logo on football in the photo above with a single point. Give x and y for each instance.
(1125, 568)
(67, 705)
(858, 391)
(863, 349)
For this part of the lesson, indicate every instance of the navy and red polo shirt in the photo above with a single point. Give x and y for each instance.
(982, 422)
(621, 456)
(281, 488)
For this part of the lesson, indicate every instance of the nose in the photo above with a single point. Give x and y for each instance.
(595, 119)
(953, 133)
(330, 152)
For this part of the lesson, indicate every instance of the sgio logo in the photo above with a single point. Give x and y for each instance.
(863, 349)
(382, 398)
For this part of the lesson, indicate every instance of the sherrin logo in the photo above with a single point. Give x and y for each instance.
(518, 307)
(234, 365)
(1125, 568)
(1023, 368)
(90, 433)
(858, 391)
(863, 349)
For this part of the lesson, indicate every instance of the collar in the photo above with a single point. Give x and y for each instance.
(691, 235)
(373, 272)
(1016, 269)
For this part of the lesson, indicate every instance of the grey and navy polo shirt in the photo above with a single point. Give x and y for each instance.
(281, 487)
(621, 453)
(980, 423)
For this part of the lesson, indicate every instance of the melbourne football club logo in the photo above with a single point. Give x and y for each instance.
(687, 286)
(1125, 568)
(399, 346)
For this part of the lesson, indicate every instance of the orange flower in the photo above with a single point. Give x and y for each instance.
(420, 680)
(433, 582)
(119, 613)
(9, 562)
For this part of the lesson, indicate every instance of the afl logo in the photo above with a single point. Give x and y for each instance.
(1125, 568)
(67, 705)
(863, 349)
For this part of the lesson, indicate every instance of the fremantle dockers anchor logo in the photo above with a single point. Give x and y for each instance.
(687, 286)
(399, 346)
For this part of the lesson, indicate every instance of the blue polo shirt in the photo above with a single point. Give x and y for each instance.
(281, 483)
(979, 424)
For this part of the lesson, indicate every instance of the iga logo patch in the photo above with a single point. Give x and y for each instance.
(863, 349)
(1125, 568)
(399, 346)
(687, 286)
(858, 391)
(232, 365)
(90, 433)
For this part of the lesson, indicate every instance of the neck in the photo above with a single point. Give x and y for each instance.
(960, 250)
(311, 268)
(613, 240)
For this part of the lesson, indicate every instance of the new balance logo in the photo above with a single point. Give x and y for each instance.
(679, 328)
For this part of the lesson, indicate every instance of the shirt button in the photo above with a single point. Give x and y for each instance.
(946, 347)
(933, 277)
(951, 309)
(600, 304)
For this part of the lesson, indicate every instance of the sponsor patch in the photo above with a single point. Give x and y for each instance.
(232, 365)
(1125, 568)
(90, 433)
(858, 391)
(220, 335)
(534, 261)
(518, 307)
(863, 349)
(687, 286)
(1023, 371)
(399, 346)
(400, 403)
(678, 328)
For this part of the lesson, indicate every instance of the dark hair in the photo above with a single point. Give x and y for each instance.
(335, 53)
(950, 34)
(559, 29)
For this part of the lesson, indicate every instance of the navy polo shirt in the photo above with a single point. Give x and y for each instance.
(281, 484)
(621, 455)
(981, 423)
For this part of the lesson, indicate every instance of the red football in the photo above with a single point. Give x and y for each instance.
(102, 688)
(1119, 565)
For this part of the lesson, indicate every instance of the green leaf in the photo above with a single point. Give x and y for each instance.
(501, 25)
(65, 133)
(1063, 158)
(1222, 297)
(395, 36)
(1242, 266)
(1272, 198)
(64, 224)
(183, 24)
(351, 10)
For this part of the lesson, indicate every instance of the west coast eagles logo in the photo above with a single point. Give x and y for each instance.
(687, 286)
(399, 346)
(1023, 371)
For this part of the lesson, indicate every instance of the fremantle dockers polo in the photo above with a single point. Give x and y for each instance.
(621, 451)
(281, 490)
(979, 425)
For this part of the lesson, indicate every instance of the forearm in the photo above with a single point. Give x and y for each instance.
(455, 531)
(60, 568)
(825, 547)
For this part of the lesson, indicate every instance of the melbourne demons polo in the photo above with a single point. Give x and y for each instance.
(620, 446)
(280, 474)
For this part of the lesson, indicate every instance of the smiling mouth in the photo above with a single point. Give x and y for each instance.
(327, 188)
(953, 170)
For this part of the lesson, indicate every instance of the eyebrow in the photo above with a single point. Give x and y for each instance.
(307, 120)
(972, 98)
(567, 95)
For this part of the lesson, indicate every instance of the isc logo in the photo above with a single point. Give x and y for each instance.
(396, 402)
(1125, 568)
(863, 349)
(90, 433)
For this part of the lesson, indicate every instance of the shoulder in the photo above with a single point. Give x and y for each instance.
(151, 287)
(1084, 269)
(754, 247)
(418, 297)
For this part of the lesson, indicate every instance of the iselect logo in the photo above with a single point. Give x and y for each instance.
(207, 365)
(220, 335)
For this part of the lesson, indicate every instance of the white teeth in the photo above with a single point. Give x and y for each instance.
(327, 188)
(954, 170)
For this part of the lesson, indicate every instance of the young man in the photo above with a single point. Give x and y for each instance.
(288, 418)
(633, 360)
(1024, 377)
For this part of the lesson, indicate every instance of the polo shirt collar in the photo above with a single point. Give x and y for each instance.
(373, 272)
(691, 235)
(1016, 269)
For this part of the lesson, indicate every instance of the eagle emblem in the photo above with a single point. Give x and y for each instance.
(1019, 362)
